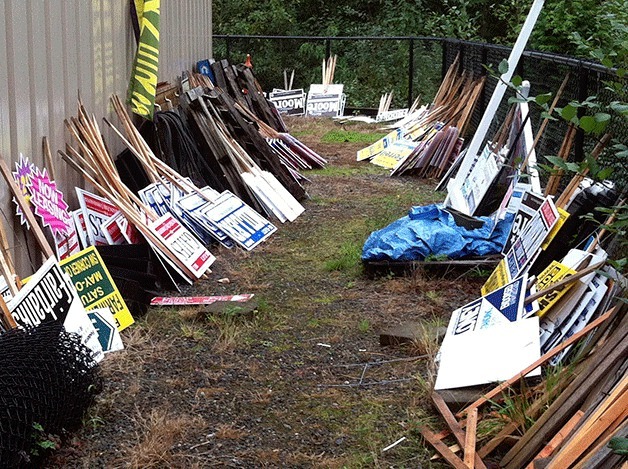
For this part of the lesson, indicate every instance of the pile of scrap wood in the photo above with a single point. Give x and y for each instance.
(427, 141)
(567, 420)
(550, 327)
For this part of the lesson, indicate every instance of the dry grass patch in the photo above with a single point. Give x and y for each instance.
(157, 434)
(228, 431)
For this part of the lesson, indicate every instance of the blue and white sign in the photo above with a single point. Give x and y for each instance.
(239, 221)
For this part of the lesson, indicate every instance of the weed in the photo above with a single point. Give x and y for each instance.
(227, 431)
(42, 441)
(364, 325)
(313, 323)
(192, 331)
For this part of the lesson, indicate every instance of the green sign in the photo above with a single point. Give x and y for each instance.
(95, 285)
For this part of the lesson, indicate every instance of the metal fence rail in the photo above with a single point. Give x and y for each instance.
(368, 66)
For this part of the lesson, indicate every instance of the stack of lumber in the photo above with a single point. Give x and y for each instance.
(434, 133)
(573, 421)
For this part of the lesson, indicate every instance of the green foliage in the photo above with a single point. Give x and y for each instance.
(619, 445)
(42, 441)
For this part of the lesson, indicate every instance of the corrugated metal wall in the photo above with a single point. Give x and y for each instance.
(188, 38)
(52, 49)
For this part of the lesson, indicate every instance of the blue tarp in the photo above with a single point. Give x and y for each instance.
(431, 230)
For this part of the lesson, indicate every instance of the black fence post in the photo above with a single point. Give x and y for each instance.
(227, 49)
(443, 63)
(410, 71)
(327, 48)
(583, 93)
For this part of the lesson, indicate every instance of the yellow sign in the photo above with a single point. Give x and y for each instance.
(562, 217)
(498, 278)
(379, 146)
(552, 274)
(394, 154)
(95, 286)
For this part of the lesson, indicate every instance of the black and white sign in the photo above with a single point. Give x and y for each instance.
(290, 102)
(50, 296)
(325, 101)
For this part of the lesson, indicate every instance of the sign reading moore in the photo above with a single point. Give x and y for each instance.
(290, 102)
(325, 101)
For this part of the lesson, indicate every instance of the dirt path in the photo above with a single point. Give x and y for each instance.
(290, 386)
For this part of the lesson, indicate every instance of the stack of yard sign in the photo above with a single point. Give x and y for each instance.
(427, 141)
(55, 328)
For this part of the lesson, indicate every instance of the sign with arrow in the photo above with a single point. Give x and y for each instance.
(105, 325)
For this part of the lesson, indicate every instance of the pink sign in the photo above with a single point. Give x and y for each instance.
(22, 176)
(48, 202)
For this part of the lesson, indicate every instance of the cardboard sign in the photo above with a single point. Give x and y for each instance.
(397, 151)
(527, 246)
(379, 146)
(191, 210)
(325, 101)
(524, 204)
(183, 244)
(96, 210)
(562, 218)
(50, 297)
(391, 115)
(105, 325)
(66, 245)
(48, 202)
(291, 102)
(498, 278)
(244, 225)
(22, 176)
(489, 355)
(552, 274)
(467, 196)
(81, 229)
(488, 339)
(112, 231)
(95, 286)
(554, 331)
(503, 305)
(198, 300)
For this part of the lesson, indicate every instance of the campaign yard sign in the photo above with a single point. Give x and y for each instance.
(239, 221)
(96, 211)
(325, 101)
(393, 115)
(108, 333)
(488, 339)
(182, 244)
(380, 145)
(289, 102)
(48, 297)
(48, 202)
(527, 246)
(95, 286)
(396, 152)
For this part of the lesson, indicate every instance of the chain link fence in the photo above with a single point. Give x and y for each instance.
(414, 66)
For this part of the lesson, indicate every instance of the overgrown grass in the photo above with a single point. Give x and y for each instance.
(351, 136)
(347, 259)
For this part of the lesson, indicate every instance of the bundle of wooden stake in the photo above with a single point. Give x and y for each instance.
(329, 68)
(437, 133)
(89, 156)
